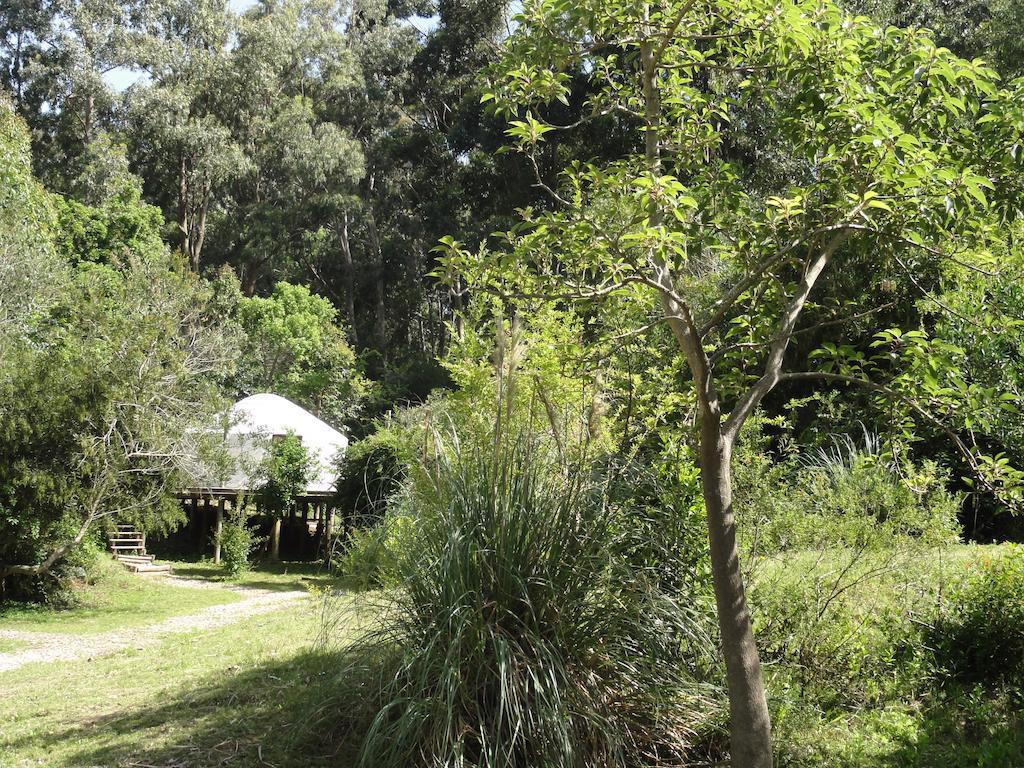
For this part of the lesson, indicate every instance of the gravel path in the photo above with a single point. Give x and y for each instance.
(53, 646)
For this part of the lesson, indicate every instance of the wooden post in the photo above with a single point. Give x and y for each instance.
(328, 532)
(275, 540)
(204, 525)
(219, 526)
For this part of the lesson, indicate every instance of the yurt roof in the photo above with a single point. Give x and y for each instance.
(258, 418)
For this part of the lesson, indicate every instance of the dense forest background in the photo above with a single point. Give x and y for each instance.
(331, 145)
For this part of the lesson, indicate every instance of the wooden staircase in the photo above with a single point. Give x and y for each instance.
(129, 547)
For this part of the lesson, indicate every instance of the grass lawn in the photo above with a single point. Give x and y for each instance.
(250, 693)
(229, 696)
(115, 600)
(10, 646)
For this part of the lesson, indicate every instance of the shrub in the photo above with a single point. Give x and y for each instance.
(843, 496)
(521, 637)
(371, 555)
(286, 472)
(836, 626)
(979, 638)
(237, 542)
(370, 472)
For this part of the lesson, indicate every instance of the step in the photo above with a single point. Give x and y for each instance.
(118, 547)
(136, 558)
(146, 567)
(138, 542)
(151, 568)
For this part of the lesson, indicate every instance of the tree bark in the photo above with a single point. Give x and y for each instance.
(183, 213)
(750, 723)
(275, 540)
(40, 568)
(217, 531)
(328, 533)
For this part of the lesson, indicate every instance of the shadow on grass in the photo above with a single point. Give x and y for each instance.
(289, 714)
(290, 575)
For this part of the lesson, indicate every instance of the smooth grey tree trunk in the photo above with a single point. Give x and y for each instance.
(750, 723)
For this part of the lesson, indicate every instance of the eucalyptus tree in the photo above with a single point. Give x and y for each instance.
(56, 57)
(901, 153)
(179, 137)
(287, 60)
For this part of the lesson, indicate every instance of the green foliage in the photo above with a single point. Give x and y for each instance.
(237, 543)
(124, 227)
(909, 173)
(371, 471)
(372, 554)
(853, 664)
(286, 472)
(30, 271)
(294, 347)
(521, 637)
(660, 521)
(108, 373)
(979, 636)
(848, 495)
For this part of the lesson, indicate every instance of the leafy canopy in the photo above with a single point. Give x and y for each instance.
(901, 156)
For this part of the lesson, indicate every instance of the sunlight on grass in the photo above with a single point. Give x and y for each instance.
(117, 600)
(199, 699)
(280, 576)
(10, 646)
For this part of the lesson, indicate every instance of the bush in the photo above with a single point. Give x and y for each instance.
(521, 637)
(370, 472)
(836, 626)
(371, 555)
(979, 638)
(843, 496)
(237, 542)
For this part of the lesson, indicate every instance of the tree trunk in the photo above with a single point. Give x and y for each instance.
(328, 533)
(183, 212)
(350, 281)
(199, 236)
(90, 101)
(380, 310)
(750, 723)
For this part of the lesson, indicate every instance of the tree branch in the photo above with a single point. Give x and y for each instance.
(777, 350)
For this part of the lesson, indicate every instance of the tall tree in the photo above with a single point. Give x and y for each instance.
(179, 138)
(56, 58)
(902, 151)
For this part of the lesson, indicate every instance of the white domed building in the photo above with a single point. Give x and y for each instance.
(253, 424)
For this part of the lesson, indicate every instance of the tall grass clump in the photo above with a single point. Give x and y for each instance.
(520, 636)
